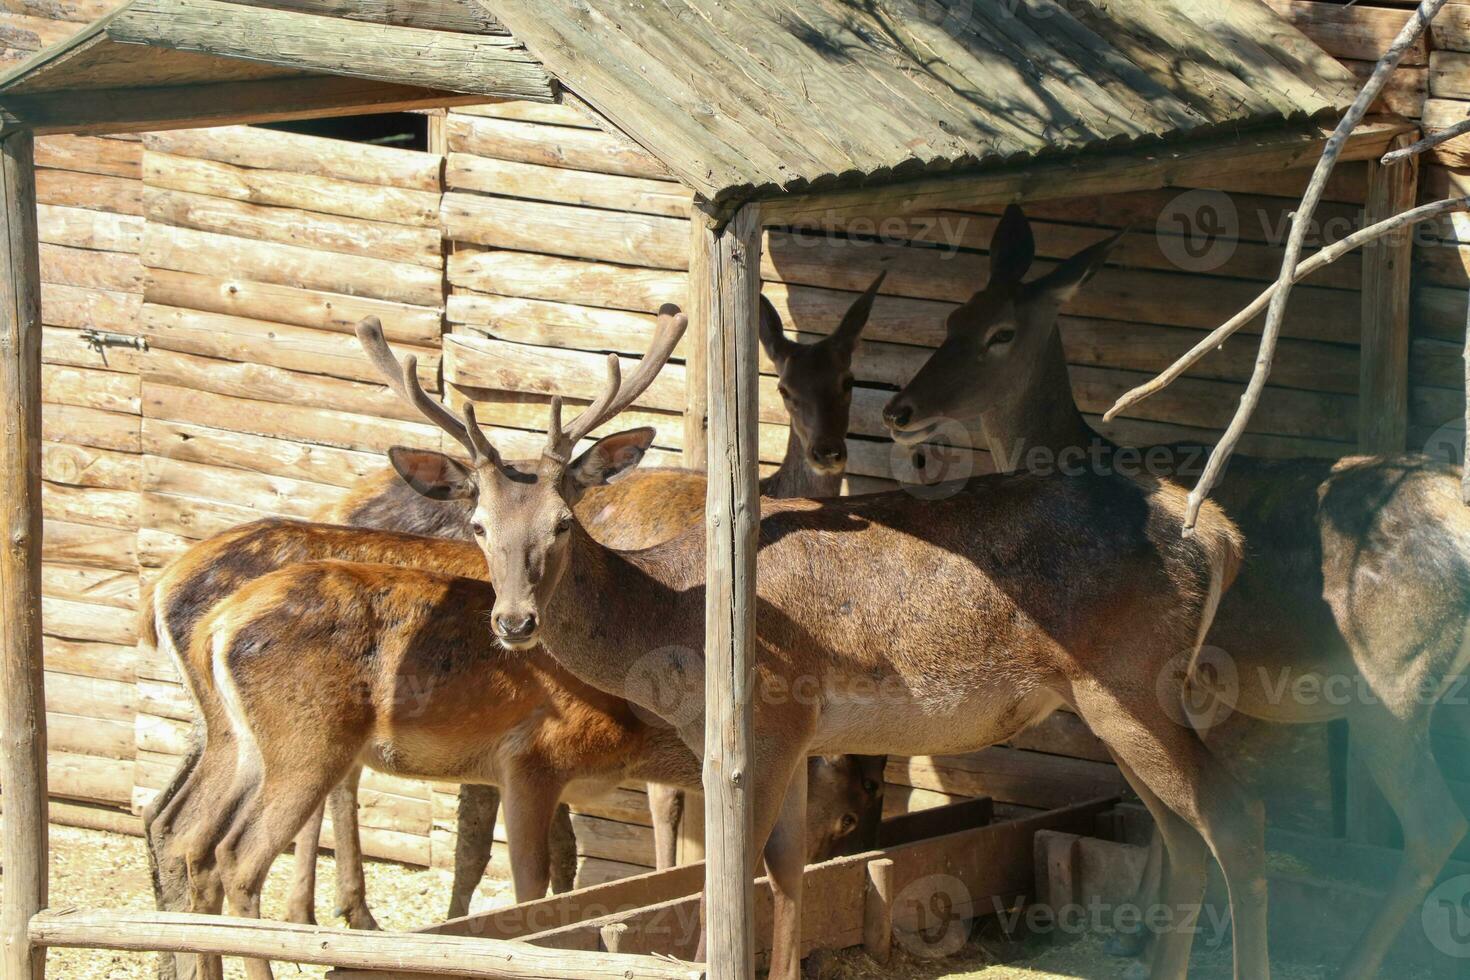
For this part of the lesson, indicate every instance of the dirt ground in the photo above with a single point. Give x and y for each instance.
(91, 869)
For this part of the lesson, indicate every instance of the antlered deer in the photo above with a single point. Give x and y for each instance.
(921, 626)
(644, 507)
(1359, 569)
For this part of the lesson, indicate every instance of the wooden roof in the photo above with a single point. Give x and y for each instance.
(742, 97)
(738, 98)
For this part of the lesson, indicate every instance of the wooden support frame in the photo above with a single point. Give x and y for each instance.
(1383, 387)
(731, 288)
(23, 854)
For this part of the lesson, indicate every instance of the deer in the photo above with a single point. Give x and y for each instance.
(1359, 568)
(574, 741)
(643, 507)
(918, 627)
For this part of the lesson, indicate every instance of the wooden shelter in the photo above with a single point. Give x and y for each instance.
(804, 115)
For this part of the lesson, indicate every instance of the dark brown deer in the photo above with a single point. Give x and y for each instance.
(1359, 569)
(644, 507)
(921, 626)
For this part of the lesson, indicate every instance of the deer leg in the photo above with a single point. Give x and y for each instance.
(170, 879)
(530, 801)
(561, 841)
(1398, 756)
(478, 804)
(666, 806)
(785, 858)
(1174, 764)
(301, 903)
(1180, 886)
(351, 886)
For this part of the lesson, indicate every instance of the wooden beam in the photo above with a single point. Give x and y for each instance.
(136, 110)
(444, 956)
(462, 16)
(732, 506)
(22, 691)
(490, 65)
(696, 412)
(1192, 163)
(1383, 388)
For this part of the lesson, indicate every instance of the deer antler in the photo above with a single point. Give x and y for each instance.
(403, 380)
(616, 395)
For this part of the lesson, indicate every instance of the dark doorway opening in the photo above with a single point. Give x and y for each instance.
(404, 130)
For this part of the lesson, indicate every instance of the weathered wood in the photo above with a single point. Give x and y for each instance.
(496, 66)
(90, 154)
(82, 228)
(446, 955)
(1383, 397)
(590, 150)
(258, 454)
(878, 910)
(1358, 32)
(307, 192)
(98, 192)
(402, 323)
(22, 689)
(532, 226)
(553, 114)
(379, 240)
(696, 363)
(1194, 164)
(90, 269)
(732, 506)
(463, 16)
(189, 106)
(318, 156)
(612, 192)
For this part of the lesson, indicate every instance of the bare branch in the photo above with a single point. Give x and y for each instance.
(1321, 258)
(1427, 143)
(1301, 221)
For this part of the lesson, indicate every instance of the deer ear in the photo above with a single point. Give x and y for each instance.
(777, 346)
(610, 456)
(857, 314)
(435, 475)
(1061, 284)
(1012, 247)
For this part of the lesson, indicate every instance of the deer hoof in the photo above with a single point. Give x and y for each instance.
(814, 967)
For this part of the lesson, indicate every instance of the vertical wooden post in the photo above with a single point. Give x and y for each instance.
(22, 699)
(878, 910)
(696, 411)
(732, 512)
(1383, 388)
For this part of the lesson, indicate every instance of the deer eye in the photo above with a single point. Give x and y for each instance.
(848, 821)
(784, 391)
(477, 529)
(1001, 337)
(564, 525)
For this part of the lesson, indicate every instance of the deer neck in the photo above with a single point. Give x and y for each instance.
(794, 478)
(1040, 419)
(612, 611)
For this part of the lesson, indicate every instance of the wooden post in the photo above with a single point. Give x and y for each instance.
(732, 507)
(22, 698)
(1383, 388)
(878, 910)
(696, 412)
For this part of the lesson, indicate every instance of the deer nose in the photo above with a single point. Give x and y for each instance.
(896, 414)
(833, 456)
(513, 627)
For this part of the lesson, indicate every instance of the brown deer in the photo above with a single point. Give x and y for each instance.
(644, 507)
(913, 626)
(1359, 569)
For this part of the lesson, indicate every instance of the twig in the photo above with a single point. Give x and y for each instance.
(1321, 258)
(1427, 143)
(1301, 220)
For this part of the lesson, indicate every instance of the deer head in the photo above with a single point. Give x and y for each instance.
(523, 510)
(995, 341)
(815, 380)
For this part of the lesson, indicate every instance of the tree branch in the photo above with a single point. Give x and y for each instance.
(1427, 143)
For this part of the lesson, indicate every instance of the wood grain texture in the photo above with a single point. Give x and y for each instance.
(477, 64)
(1383, 394)
(732, 508)
(23, 851)
(463, 16)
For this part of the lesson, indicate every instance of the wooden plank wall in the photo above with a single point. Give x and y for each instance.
(262, 251)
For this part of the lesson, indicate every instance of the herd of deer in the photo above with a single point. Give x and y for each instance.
(924, 626)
